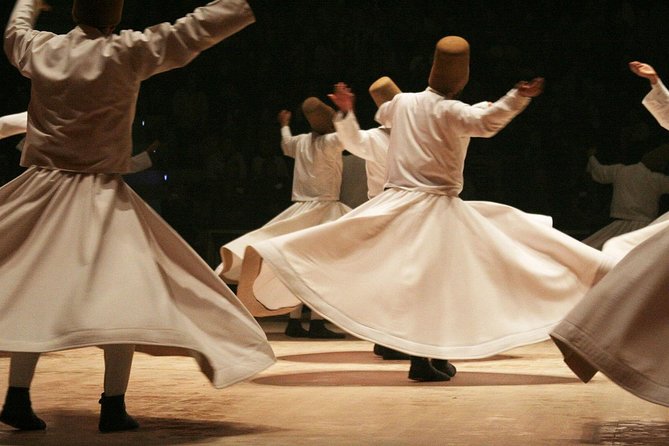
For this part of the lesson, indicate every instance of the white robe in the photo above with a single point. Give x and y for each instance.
(421, 271)
(83, 260)
(316, 185)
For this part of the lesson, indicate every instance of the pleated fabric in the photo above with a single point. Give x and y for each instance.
(85, 262)
(618, 247)
(621, 327)
(432, 275)
(300, 215)
(613, 229)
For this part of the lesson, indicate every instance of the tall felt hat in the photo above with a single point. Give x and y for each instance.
(319, 115)
(450, 67)
(98, 13)
(657, 159)
(383, 90)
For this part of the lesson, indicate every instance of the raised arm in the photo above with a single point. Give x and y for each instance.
(657, 100)
(601, 173)
(166, 46)
(19, 33)
(485, 122)
(288, 143)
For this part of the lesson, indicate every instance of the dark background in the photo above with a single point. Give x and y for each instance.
(219, 171)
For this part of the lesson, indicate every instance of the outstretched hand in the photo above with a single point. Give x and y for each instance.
(42, 5)
(284, 117)
(342, 97)
(644, 70)
(532, 88)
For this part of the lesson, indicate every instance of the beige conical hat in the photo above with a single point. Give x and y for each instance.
(383, 90)
(319, 115)
(98, 13)
(657, 159)
(450, 68)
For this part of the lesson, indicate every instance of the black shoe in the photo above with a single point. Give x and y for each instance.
(444, 366)
(422, 370)
(113, 417)
(388, 354)
(318, 330)
(294, 329)
(18, 413)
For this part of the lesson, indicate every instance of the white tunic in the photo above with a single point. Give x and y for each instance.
(635, 201)
(17, 123)
(636, 189)
(83, 260)
(421, 271)
(370, 145)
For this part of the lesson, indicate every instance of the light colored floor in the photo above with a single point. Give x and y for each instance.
(339, 393)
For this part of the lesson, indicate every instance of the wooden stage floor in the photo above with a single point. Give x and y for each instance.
(339, 393)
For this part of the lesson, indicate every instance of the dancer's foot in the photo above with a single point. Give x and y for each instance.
(444, 366)
(17, 411)
(389, 354)
(113, 417)
(422, 370)
(318, 330)
(294, 329)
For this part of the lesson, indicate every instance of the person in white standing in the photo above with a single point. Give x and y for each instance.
(317, 176)
(83, 260)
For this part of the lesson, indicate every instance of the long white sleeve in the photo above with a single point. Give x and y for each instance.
(15, 124)
(657, 103)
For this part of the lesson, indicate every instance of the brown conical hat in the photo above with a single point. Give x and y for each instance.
(98, 13)
(450, 67)
(383, 90)
(657, 159)
(319, 115)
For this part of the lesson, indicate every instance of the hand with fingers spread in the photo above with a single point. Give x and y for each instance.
(342, 97)
(644, 70)
(532, 88)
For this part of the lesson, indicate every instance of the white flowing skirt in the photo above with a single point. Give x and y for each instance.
(621, 327)
(300, 215)
(613, 229)
(435, 276)
(85, 262)
(618, 247)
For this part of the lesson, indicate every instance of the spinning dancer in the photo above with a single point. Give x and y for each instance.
(417, 269)
(316, 184)
(83, 260)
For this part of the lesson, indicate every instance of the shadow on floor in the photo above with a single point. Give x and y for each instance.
(399, 378)
(73, 428)
(349, 357)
